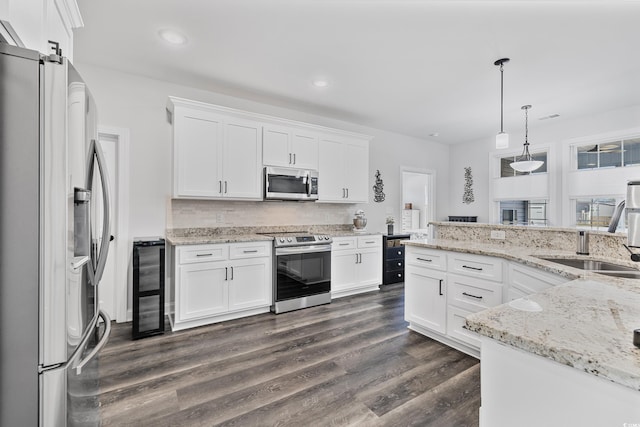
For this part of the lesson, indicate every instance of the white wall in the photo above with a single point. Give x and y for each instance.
(138, 103)
(551, 132)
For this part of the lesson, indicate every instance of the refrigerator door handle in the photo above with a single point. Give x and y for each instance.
(104, 244)
(101, 343)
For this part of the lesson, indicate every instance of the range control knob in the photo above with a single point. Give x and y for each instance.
(282, 240)
(289, 239)
(326, 237)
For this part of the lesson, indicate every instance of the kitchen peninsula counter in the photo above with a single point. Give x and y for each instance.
(574, 356)
(586, 323)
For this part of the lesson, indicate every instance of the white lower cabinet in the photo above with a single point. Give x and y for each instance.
(220, 282)
(425, 297)
(443, 287)
(356, 264)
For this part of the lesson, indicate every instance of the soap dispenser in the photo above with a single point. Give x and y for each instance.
(583, 242)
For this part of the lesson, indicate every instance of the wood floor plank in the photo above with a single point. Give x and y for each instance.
(349, 363)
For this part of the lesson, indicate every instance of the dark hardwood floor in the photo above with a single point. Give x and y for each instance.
(350, 363)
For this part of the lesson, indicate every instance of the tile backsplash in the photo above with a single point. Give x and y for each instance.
(220, 213)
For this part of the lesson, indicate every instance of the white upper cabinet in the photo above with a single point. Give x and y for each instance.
(219, 153)
(343, 170)
(35, 22)
(215, 155)
(289, 147)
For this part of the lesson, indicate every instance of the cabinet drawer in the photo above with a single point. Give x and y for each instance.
(342, 243)
(472, 294)
(430, 258)
(395, 252)
(393, 277)
(369, 241)
(202, 253)
(488, 268)
(456, 329)
(249, 250)
(394, 264)
(529, 280)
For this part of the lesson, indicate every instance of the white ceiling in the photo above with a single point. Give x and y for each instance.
(416, 67)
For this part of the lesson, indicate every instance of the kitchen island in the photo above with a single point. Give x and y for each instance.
(562, 356)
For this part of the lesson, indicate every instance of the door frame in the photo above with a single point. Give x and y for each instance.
(122, 239)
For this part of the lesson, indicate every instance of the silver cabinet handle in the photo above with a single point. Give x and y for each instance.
(289, 158)
(225, 187)
(472, 268)
(472, 296)
(370, 241)
(204, 254)
(343, 193)
(440, 287)
(220, 186)
(343, 244)
(101, 343)
(294, 158)
(226, 273)
(231, 273)
(347, 193)
(250, 252)
(424, 259)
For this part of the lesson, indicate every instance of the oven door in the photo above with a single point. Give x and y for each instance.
(302, 271)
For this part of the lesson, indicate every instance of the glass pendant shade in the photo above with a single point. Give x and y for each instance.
(502, 140)
(526, 165)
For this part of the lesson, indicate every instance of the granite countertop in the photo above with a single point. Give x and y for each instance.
(586, 323)
(203, 236)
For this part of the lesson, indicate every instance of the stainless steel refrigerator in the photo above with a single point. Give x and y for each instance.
(51, 254)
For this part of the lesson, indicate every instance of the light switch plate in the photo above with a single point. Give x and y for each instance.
(498, 234)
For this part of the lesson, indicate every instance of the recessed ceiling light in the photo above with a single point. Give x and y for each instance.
(320, 83)
(172, 37)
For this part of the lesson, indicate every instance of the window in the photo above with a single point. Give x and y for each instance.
(612, 154)
(595, 212)
(506, 170)
(523, 212)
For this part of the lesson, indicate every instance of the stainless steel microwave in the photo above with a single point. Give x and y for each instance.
(290, 184)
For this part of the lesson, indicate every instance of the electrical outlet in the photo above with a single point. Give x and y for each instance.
(498, 234)
(219, 217)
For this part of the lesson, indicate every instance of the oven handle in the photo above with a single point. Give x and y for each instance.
(303, 249)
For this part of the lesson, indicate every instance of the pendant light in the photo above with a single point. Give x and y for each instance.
(502, 138)
(525, 163)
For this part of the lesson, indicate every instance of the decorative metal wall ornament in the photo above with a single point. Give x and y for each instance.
(467, 197)
(379, 194)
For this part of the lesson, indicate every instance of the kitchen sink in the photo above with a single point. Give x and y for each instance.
(600, 267)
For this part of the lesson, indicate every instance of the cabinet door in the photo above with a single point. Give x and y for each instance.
(242, 160)
(250, 284)
(202, 290)
(197, 154)
(275, 147)
(425, 298)
(356, 160)
(343, 270)
(304, 147)
(331, 186)
(370, 266)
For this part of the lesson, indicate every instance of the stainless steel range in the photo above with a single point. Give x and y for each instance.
(302, 271)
